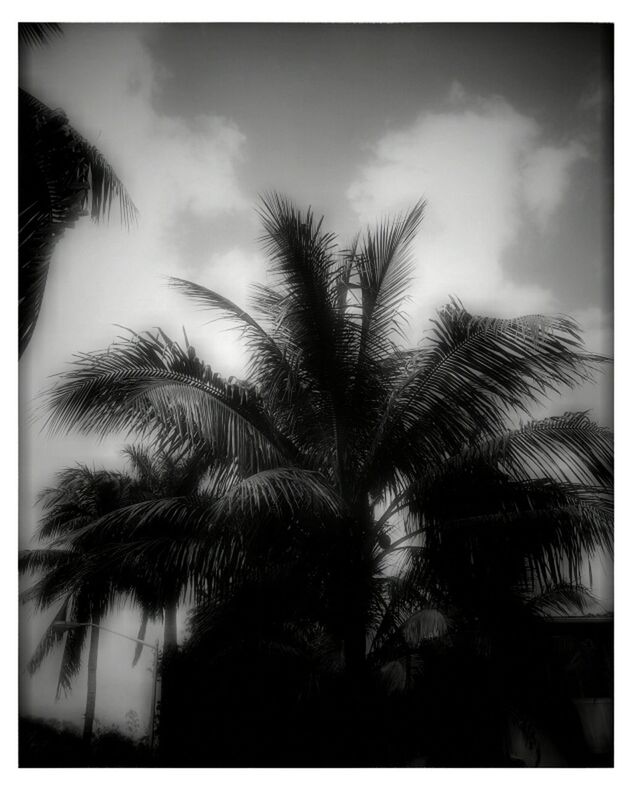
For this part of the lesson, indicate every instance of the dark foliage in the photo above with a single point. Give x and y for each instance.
(370, 565)
(46, 744)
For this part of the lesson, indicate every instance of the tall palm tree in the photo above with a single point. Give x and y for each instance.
(88, 563)
(62, 177)
(80, 496)
(160, 476)
(335, 407)
(163, 475)
(184, 538)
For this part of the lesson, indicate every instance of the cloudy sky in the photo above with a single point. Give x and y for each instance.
(504, 130)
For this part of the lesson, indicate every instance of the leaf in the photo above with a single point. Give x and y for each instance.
(112, 390)
(61, 177)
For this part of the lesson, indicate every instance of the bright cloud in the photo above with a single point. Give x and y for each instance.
(231, 273)
(545, 178)
(102, 275)
(105, 80)
(485, 171)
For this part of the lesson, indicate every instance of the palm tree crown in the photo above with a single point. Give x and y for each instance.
(69, 578)
(340, 419)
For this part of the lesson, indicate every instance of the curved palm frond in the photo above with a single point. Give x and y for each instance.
(486, 537)
(271, 368)
(570, 449)
(562, 599)
(62, 178)
(280, 491)
(38, 33)
(111, 390)
(50, 640)
(315, 332)
(471, 377)
(385, 267)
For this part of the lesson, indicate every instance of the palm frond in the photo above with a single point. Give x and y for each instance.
(211, 300)
(471, 377)
(385, 267)
(138, 651)
(279, 491)
(62, 177)
(32, 560)
(563, 599)
(423, 625)
(50, 640)
(111, 390)
(570, 449)
(487, 537)
(270, 367)
(75, 639)
(37, 33)
(143, 465)
(305, 271)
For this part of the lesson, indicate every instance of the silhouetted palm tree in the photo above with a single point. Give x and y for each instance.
(464, 625)
(162, 475)
(62, 177)
(337, 413)
(71, 577)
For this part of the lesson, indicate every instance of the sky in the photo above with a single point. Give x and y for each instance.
(505, 131)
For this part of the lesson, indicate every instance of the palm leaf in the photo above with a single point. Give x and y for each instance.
(563, 599)
(62, 177)
(385, 267)
(471, 377)
(50, 640)
(38, 33)
(111, 390)
(138, 651)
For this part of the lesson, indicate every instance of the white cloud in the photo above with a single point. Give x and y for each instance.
(231, 273)
(484, 170)
(101, 275)
(546, 175)
(105, 80)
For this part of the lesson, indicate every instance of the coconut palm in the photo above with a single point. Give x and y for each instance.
(62, 177)
(80, 496)
(83, 558)
(463, 631)
(335, 408)
(178, 543)
(161, 475)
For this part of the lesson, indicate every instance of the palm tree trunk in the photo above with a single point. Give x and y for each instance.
(88, 721)
(169, 650)
(357, 594)
(171, 628)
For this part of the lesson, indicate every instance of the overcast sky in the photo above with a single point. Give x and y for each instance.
(504, 130)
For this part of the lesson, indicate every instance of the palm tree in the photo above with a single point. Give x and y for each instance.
(162, 475)
(143, 547)
(62, 177)
(89, 563)
(336, 411)
(464, 625)
(80, 496)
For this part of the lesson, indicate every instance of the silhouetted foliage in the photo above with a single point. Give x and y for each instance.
(387, 526)
(62, 177)
(48, 744)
